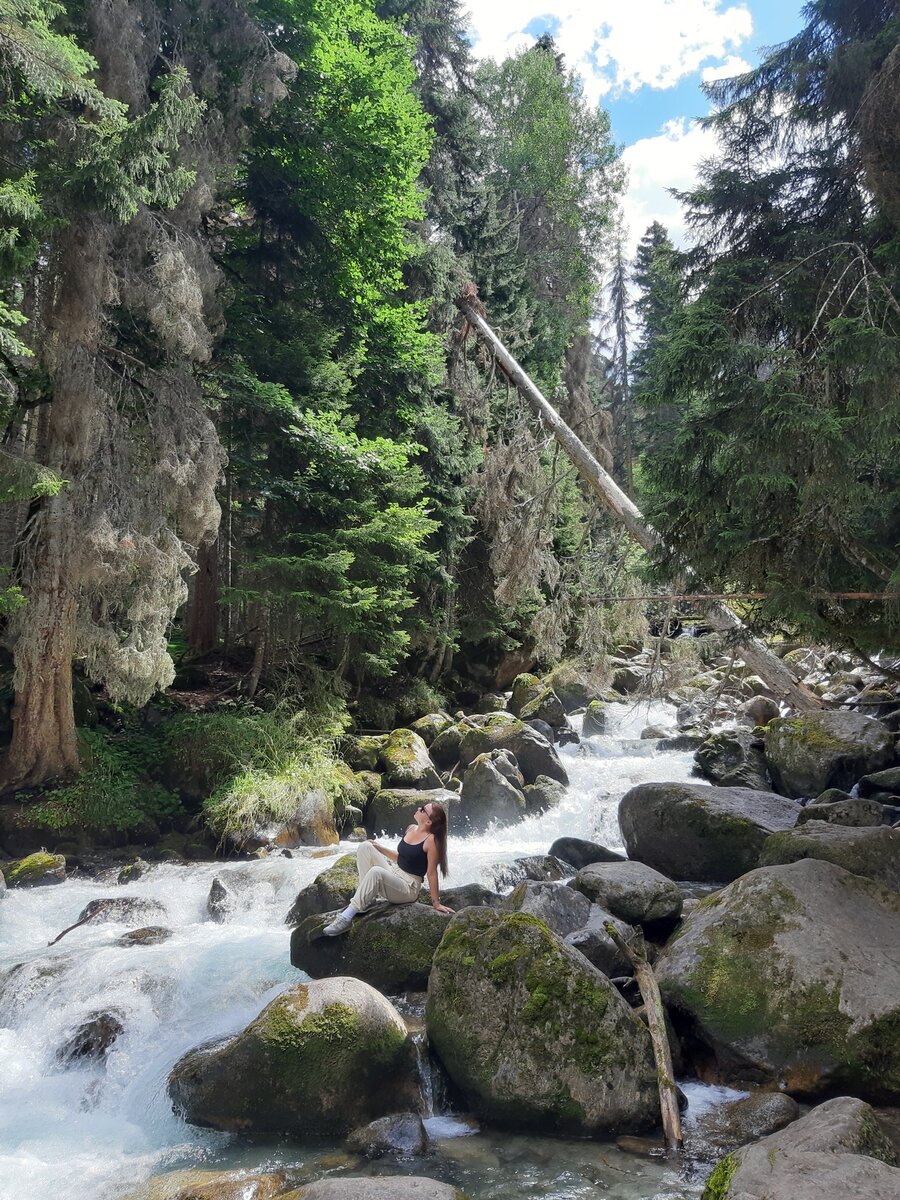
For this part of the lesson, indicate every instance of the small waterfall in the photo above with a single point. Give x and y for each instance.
(423, 1069)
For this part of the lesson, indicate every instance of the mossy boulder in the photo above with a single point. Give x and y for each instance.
(329, 890)
(444, 750)
(524, 689)
(488, 794)
(561, 908)
(533, 752)
(791, 974)
(546, 706)
(405, 761)
(596, 719)
(35, 870)
(633, 892)
(391, 811)
(741, 1121)
(872, 852)
(391, 948)
(705, 834)
(363, 751)
(123, 910)
(532, 1034)
(431, 726)
(844, 810)
(809, 753)
(148, 935)
(734, 758)
(880, 782)
(196, 1184)
(838, 1150)
(319, 1060)
(574, 686)
(593, 941)
(543, 794)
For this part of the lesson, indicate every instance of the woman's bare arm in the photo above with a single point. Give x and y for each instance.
(432, 851)
(385, 850)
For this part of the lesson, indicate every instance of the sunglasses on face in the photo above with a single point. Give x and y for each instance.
(423, 808)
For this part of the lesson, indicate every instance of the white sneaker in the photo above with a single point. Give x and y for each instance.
(340, 924)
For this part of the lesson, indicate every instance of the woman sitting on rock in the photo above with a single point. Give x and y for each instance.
(419, 853)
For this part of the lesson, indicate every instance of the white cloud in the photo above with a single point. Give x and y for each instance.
(724, 70)
(668, 160)
(619, 46)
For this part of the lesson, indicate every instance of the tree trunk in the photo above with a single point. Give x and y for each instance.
(203, 610)
(766, 664)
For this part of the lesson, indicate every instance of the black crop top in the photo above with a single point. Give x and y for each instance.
(412, 859)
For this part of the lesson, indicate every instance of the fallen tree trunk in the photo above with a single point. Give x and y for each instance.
(767, 665)
(656, 1022)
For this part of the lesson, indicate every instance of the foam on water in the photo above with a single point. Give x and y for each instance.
(88, 1133)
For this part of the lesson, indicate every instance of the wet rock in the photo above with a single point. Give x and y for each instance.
(321, 1059)
(881, 781)
(546, 706)
(220, 902)
(562, 909)
(391, 947)
(844, 811)
(734, 758)
(791, 974)
(127, 910)
(759, 710)
(35, 870)
(330, 890)
(93, 1039)
(470, 895)
(596, 718)
(533, 753)
(654, 733)
(809, 753)
(532, 1034)
(431, 725)
(542, 867)
(631, 891)
(391, 811)
(543, 794)
(132, 871)
(706, 834)
(213, 1185)
(488, 794)
(873, 853)
(682, 742)
(835, 1151)
(541, 727)
(598, 947)
(629, 680)
(150, 935)
(386, 1187)
(566, 735)
(401, 1133)
(406, 762)
(579, 852)
(747, 1120)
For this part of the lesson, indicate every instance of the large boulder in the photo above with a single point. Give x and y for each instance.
(534, 754)
(532, 1034)
(544, 793)
(561, 908)
(593, 941)
(329, 890)
(705, 834)
(405, 761)
(580, 852)
(196, 1184)
(126, 910)
(596, 719)
(631, 891)
(444, 750)
(792, 974)
(526, 687)
(431, 726)
(391, 948)
(400, 1133)
(747, 1120)
(362, 753)
(837, 808)
(319, 1060)
(391, 810)
(734, 758)
(387, 1187)
(546, 706)
(815, 751)
(837, 1151)
(881, 782)
(35, 870)
(873, 852)
(489, 794)
(576, 688)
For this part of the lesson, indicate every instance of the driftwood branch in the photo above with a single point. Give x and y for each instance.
(656, 1022)
(84, 920)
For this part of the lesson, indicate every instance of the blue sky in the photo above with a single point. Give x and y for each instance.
(644, 61)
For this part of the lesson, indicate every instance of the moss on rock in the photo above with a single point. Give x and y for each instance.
(35, 869)
(815, 751)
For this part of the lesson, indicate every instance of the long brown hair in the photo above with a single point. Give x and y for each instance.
(437, 819)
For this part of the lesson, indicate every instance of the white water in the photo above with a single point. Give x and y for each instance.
(88, 1133)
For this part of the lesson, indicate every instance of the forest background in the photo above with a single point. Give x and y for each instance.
(244, 441)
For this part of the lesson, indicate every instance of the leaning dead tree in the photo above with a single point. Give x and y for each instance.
(767, 665)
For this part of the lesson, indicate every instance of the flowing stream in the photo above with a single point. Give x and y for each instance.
(93, 1133)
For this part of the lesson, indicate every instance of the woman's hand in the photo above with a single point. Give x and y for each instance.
(442, 908)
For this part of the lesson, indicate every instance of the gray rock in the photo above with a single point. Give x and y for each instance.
(546, 731)
(562, 909)
(128, 910)
(598, 947)
(131, 871)
(444, 750)
(579, 852)
(809, 753)
(881, 781)
(93, 1039)
(791, 974)
(846, 811)
(631, 891)
(759, 710)
(734, 758)
(543, 867)
(405, 761)
(546, 706)
(508, 767)
(706, 834)
(390, 947)
(532, 1034)
(219, 902)
(525, 688)
(730, 1125)
(400, 1133)
(596, 719)
(387, 1187)
(150, 935)
(491, 702)
(321, 1059)
(874, 853)
(329, 890)
(431, 725)
(655, 733)
(534, 753)
(544, 793)
(362, 753)
(391, 811)
(837, 1151)
(470, 895)
(488, 795)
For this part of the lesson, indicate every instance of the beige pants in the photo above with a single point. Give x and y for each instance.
(381, 879)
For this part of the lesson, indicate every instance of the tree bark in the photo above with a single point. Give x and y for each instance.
(766, 664)
(656, 1022)
(203, 610)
